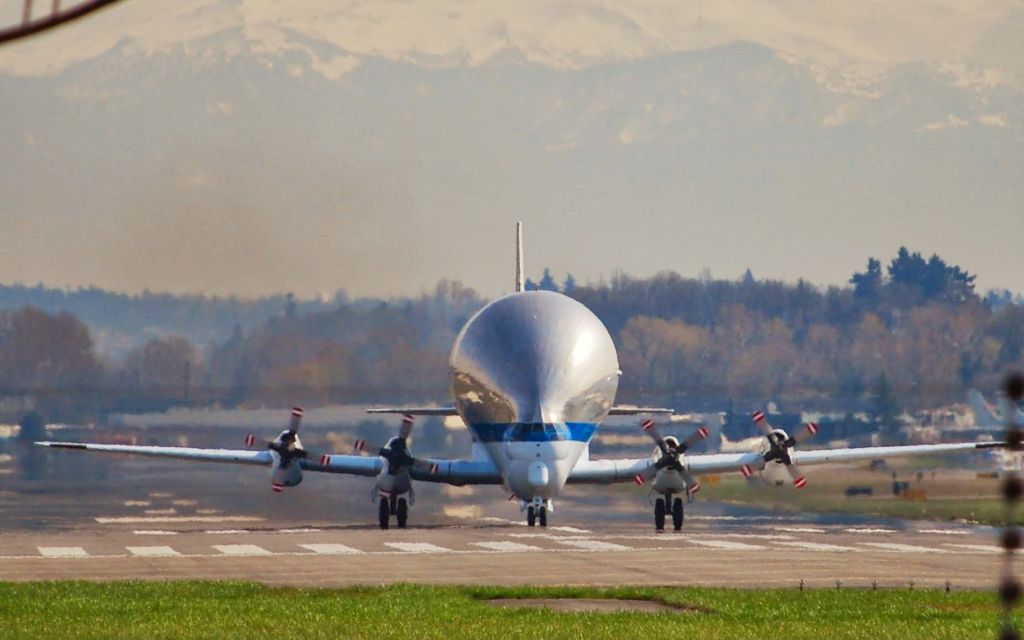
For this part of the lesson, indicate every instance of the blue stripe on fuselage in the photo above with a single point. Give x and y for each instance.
(534, 431)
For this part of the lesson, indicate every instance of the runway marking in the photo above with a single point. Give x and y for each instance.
(546, 536)
(154, 532)
(570, 529)
(506, 546)
(154, 551)
(175, 519)
(161, 494)
(137, 503)
(161, 512)
(818, 546)
(241, 550)
(63, 552)
(727, 544)
(799, 529)
(417, 547)
(330, 549)
(225, 532)
(982, 548)
(869, 530)
(595, 545)
(208, 511)
(905, 548)
(946, 532)
(299, 530)
(184, 503)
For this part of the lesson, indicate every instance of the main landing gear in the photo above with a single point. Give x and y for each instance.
(668, 505)
(537, 511)
(393, 506)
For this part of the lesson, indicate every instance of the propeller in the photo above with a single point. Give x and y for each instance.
(285, 472)
(396, 451)
(671, 453)
(780, 447)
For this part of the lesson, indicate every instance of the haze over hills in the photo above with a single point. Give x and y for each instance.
(249, 148)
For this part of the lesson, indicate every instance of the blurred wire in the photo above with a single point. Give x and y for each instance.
(55, 18)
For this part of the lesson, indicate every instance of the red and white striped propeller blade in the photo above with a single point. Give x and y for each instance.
(651, 429)
(695, 437)
(645, 476)
(807, 431)
(761, 420)
(406, 427)
(359, 446)
(296, 420)
(799, 479)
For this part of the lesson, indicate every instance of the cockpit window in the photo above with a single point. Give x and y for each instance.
(536, 432)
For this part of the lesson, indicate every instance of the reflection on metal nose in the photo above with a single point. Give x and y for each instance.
(537, 474)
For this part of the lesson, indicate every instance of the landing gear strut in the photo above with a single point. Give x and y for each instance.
(384, 512)
(668, 505)
(537, 511)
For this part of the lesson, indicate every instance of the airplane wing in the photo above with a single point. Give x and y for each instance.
(417, 411)
(625, 470)
(621, 410)
(457, 472)
(627, 410)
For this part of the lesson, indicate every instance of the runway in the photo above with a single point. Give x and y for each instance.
(132, 519)
(711, 551)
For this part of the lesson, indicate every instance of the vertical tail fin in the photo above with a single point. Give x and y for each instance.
(984, 416)
(519, 257)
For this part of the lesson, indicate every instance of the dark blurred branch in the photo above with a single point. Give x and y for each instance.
(29, 27)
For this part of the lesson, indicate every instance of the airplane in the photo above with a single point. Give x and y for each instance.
(533, 374)
(986, 416)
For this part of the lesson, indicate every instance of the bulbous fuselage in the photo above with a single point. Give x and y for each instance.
(533, 374)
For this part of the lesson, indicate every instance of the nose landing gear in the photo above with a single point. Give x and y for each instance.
(668, 505)
(537, 511)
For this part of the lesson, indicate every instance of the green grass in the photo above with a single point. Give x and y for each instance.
(244, 610)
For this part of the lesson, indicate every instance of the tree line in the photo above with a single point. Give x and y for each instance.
(916, 326)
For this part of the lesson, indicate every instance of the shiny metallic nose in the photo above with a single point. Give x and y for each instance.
(538, 474)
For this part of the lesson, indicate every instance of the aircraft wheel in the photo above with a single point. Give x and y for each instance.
(659, 514)
(677, 513)
(384, 512)
(531, 517)
(543, 516)
(402, 512)
(393, 505)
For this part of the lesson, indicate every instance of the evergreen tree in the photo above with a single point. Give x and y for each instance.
(867, 286)
(570, 284)
(547, 283)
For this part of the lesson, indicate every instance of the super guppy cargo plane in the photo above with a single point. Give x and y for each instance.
(533, 375)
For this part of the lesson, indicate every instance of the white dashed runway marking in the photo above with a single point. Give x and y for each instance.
(817, 546)
(174, 519)
(299, 530)
(226, 532)
(595, 545)
(869, 530)
(330, 549)
(946, 532)
(507, 546)
(726, 544)
(977, 548)
(417, 547)
(904, 548)
(241, 550)
(154, 532)
(800, 529)
(154, 551)
(63, 552)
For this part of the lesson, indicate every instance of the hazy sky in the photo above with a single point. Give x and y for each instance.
(203, 214)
